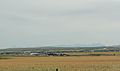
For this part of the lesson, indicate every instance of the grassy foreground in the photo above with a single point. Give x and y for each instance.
(83, 63)
(5, 58)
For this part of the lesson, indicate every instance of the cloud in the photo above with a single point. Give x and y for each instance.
(50, 22)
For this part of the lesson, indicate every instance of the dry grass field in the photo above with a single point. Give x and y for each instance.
(82, 63)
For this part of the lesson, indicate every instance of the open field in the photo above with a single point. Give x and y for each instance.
(95, 54)
(83, 63)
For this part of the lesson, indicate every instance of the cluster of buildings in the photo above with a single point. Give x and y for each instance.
(47, 54)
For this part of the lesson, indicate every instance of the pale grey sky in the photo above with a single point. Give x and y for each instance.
(25, 23)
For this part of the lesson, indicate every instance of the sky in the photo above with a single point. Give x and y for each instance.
(34, 23)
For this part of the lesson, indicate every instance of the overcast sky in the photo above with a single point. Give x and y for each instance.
(28, 23)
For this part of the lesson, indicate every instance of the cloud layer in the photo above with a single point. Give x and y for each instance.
(25, 23)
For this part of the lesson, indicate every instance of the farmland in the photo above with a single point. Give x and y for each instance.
(63, 63)
(63, 59)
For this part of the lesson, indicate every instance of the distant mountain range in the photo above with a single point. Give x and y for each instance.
(82, 45)
(90, 45)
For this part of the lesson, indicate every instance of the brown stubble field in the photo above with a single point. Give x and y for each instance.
(81, 63)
